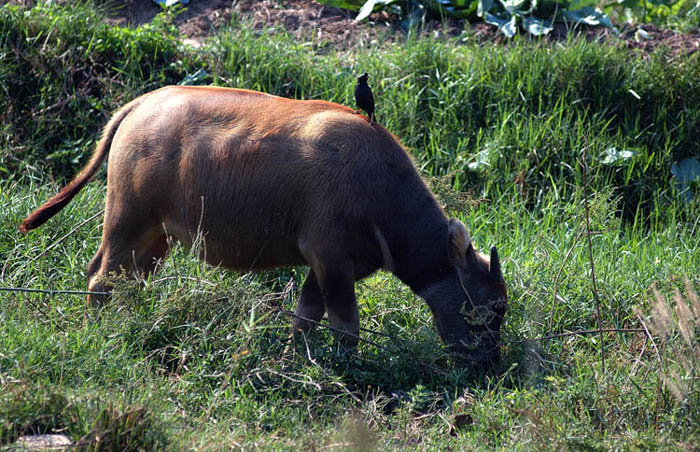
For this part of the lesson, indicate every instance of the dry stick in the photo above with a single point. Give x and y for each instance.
(590, 258)
(288, 289)
(332, 328)
(36, 306)
(72, 231)
(556, 283)
(380, 333)
(658, 376)
(581, 333)
(584, 166)
(637, 361)
(51, 292)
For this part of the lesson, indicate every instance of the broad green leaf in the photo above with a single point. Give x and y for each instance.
(352, 5)
(168, 3)
(484, 7)
(589, 16)
(537, 27)
(481, 162)
(514, 6)
(506, 26)
(459, 9)
(613, 156)
(195, 79)
(460, 13)
(369, 6)
(366, 10)
(687, 173)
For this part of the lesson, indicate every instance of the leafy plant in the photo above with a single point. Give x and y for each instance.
(655, 11)
(536, 18)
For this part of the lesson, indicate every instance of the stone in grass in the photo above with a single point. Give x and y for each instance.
(42, 442)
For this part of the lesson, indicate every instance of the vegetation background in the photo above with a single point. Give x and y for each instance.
(574, 157)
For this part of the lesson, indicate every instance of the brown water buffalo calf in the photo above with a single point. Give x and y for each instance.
(274, 182)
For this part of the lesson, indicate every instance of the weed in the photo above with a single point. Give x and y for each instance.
(195, 358)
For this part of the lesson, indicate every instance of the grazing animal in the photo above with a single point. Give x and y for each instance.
(364, 97)
(272, 182)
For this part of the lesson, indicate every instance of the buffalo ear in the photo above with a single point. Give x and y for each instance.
(460, 244)
(495, 264)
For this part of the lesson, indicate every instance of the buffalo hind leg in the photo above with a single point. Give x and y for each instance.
(152, 255)
(139, 257)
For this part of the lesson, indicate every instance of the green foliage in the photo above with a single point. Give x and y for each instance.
(684, 14)
(93, 424)
(197, 358)
(536, 18)
(457, 108)
(202, 357)
(63, 71)
(533, 16)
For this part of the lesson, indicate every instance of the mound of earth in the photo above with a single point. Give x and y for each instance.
(335, 27)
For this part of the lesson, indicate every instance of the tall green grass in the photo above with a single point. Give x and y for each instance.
(199, 358)
(480, 113)
(63, 71)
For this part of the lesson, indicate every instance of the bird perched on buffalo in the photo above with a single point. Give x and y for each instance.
(364, 98)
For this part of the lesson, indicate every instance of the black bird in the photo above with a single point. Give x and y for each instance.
(364, 98)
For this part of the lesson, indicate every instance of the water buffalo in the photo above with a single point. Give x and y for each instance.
(272, 182)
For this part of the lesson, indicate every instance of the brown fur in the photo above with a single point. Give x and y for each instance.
(271, 182)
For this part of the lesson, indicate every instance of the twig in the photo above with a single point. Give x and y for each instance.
(52, 292)
(379, 333)
(581, 333)
(332, 328)
(288, 290)
(584, 166)
(72, 231)
(637, 361)
(36, 306)
(188, 278)
(658, 375)
(287, 377)
(556, 282)
(590, 258)
(648, 334)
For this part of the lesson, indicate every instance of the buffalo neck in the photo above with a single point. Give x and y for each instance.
(417, 237)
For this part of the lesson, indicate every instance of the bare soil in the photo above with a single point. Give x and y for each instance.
(335, 28)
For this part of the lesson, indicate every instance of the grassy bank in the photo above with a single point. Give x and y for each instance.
(199, 358)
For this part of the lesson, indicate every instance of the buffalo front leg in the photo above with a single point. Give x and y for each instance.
(310, 308)
(337, 284)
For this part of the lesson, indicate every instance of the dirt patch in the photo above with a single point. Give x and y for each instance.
(304, 19)
(198, 18)
(335, 28)
(648, 38)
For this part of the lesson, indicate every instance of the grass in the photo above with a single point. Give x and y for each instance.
(199, 358)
